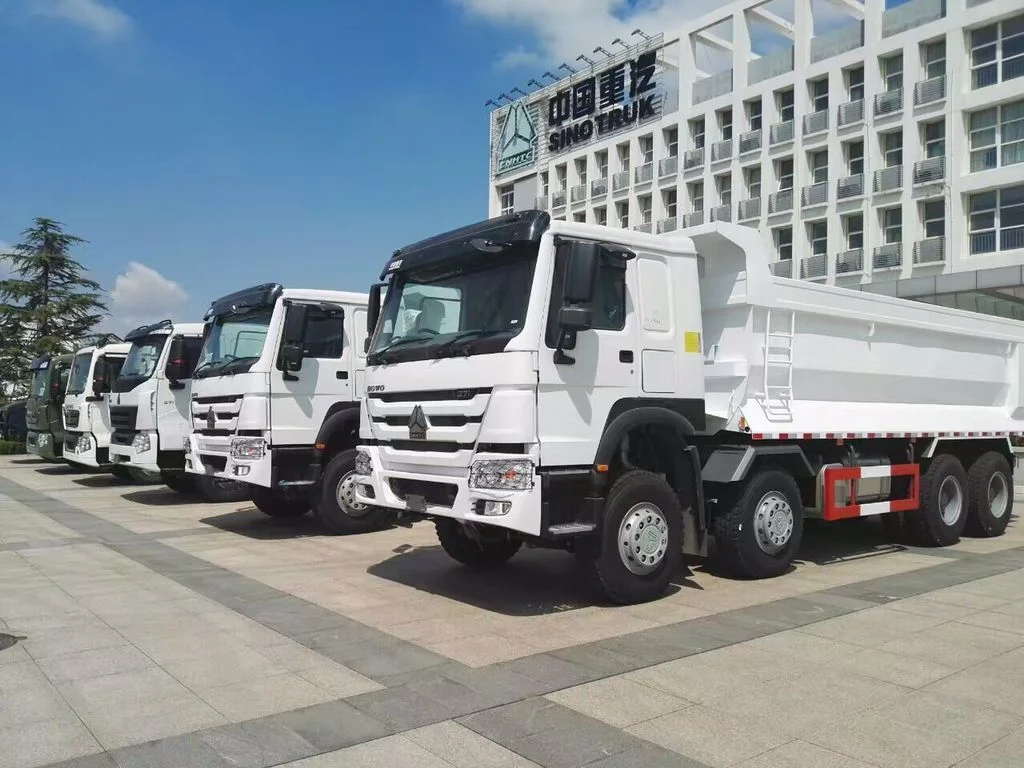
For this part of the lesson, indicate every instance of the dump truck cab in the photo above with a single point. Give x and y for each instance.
(43, 417)
(86, 415)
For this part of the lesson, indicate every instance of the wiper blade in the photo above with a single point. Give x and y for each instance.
(447, 345)
(208, 365)
(398, 343)
(233, 366)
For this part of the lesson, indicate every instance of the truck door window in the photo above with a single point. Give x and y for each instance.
(193, 348)
(325, 334)
(609, 304)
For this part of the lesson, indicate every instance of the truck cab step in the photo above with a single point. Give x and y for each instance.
(571, 529)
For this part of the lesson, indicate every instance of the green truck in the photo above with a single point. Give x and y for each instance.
(43, 408)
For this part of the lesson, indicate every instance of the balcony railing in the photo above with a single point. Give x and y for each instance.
(667, 225)
(782, 268)
(578, 193)
(780, 201)
(780, 133)
(694, 219)
(772, 65)
(814, 194)
(847, 38)
(1009, 239)
(816, 122)
(929, 91)
(644, 227)
(931, 170)
(709, 87)
(694, 158)
(911, 15)
(814, 267)
(541, 203)
(721, 150)
(750, 209)
(558, 199)
(620, 181)
(599, 187)
(750, 142)
(930, 251)
(851, 186)
(889, 256)
(644, 173)
(889, 103)
(668, 166)
(850, 262)
(889, 179)
(722, 213)
(851, 112)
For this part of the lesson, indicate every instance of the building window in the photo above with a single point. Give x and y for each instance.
(784, 171)
(581, 169)
(580, 217)
(819, 166)
(644, 203)
(725, 124)
(601, 215)
(754, 114)
(997, 136)
(507, 198)
(854, 229)
(623, 152)
(997, 52)
(622, 213)
(646, 149)
(671, 136)
(855, 157)
(544, 184)
(697, 133)
(752, 178)
(933, 216)
(697, 196)
(855, 83)
(933, 57)
(669, 199)
(560, 175)
(817, 234)
(892, 225)
(892, 72)
(784, 100)
(784, 243)
(935, 139)
(819, 95)
(723, 184)
(602, 164)
(892, 148)
(996, 220)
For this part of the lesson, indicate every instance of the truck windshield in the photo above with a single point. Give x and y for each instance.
(39, 381)
(141, 362)
(461, 306)
(79, 373)
(233, 343)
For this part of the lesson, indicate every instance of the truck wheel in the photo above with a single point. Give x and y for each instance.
(492, 547)
(337, 508)
(760, 533)
(181, 482)
(640, 544)
(276, 503)
(217, 490)
(990, 495)
(941, 518)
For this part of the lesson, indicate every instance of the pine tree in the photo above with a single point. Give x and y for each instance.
(47, 306)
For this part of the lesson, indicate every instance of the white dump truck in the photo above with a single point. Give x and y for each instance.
(631, 397)
(275, 401)
(86, 417)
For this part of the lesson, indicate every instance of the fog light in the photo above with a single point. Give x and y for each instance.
(141, 443)
(247, 447)
(363, 465)
(83, 445)
(493, 508)
(240, 470)
(42, 438)
(187, 444)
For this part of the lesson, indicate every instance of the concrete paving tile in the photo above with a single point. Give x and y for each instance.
(890, 667)
(111, 694)
(994, 684)
(32, 704)
(404, 708)
(174, 647)
(1004, 622)
(919, 730)
(600, 660)
(388, 752)
(1004, 753)
(97, 760)
(14, 655)
(331, 726)
(802, 754)
(922, 606)
(803, 646)
(257, 743)
(956, 645)
(550, 670)
(95, 663)
(519, 719)
(221, 669)
(646, 756)
(484, 649)
(20, 675)
(957, 596)
(460, 747)
(338, 680)
(149, 720)
(1012, 609)
(872, 627)
(175, 752)
(618, 701)
(263, 696)
(709, 736)
(45, 742)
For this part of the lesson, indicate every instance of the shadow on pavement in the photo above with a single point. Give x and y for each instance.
(250, 522)
(60, 469)
(99, 481)
(30, 460)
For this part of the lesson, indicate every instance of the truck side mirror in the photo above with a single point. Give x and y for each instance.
(177, 368)
(581, 272)
(290, 357)
(372, 313)
(99, 379)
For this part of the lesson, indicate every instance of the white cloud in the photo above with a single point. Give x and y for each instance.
(97, 16)
(518, 58)
(142, 295)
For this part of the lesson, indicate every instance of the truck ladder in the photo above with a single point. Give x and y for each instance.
(777, 393)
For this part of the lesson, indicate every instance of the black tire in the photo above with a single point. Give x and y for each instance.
(990, 495)
(739, 548)
(494, 547)
(611, 560)
(121, 473)
(352, 517)
(216, 490)
(926, 527)
(181, 482)
(277, 503)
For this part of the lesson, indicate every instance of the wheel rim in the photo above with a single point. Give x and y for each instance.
(346, 496)
(951, 500)
(998, 495)
(643, 538)
(773, 522)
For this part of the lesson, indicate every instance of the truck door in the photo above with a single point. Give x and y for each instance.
(174, 406)
(357, 332)
(573, 401)
(300, 399)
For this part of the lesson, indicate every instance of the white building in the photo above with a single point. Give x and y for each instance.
(885, 153)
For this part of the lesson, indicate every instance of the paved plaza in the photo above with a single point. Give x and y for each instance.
(153, 631)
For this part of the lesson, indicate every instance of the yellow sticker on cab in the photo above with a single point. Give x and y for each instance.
(691, 342)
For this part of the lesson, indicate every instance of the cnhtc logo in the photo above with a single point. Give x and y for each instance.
(517, 143)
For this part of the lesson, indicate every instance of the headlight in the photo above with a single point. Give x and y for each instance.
(363, 464)
(502, 474)
(84, 444)
(247, 447)
(141, 443)
(43, 438)
(187, 445)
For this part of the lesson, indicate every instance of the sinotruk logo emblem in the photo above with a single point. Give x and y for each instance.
(517, 143)
(417, 424)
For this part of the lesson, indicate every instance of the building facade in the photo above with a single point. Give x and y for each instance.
(885, 154)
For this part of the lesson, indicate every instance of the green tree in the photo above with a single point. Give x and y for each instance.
(47, 305)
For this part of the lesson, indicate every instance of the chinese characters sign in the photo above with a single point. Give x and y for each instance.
(603, 103)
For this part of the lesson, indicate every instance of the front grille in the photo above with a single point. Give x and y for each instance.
(432, 421)
(123, 417)
(122, 438)
(217, 463)
(70, 443)
(438, 494)
(71, 417)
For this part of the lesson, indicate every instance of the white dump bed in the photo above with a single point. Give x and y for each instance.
(845, 362)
